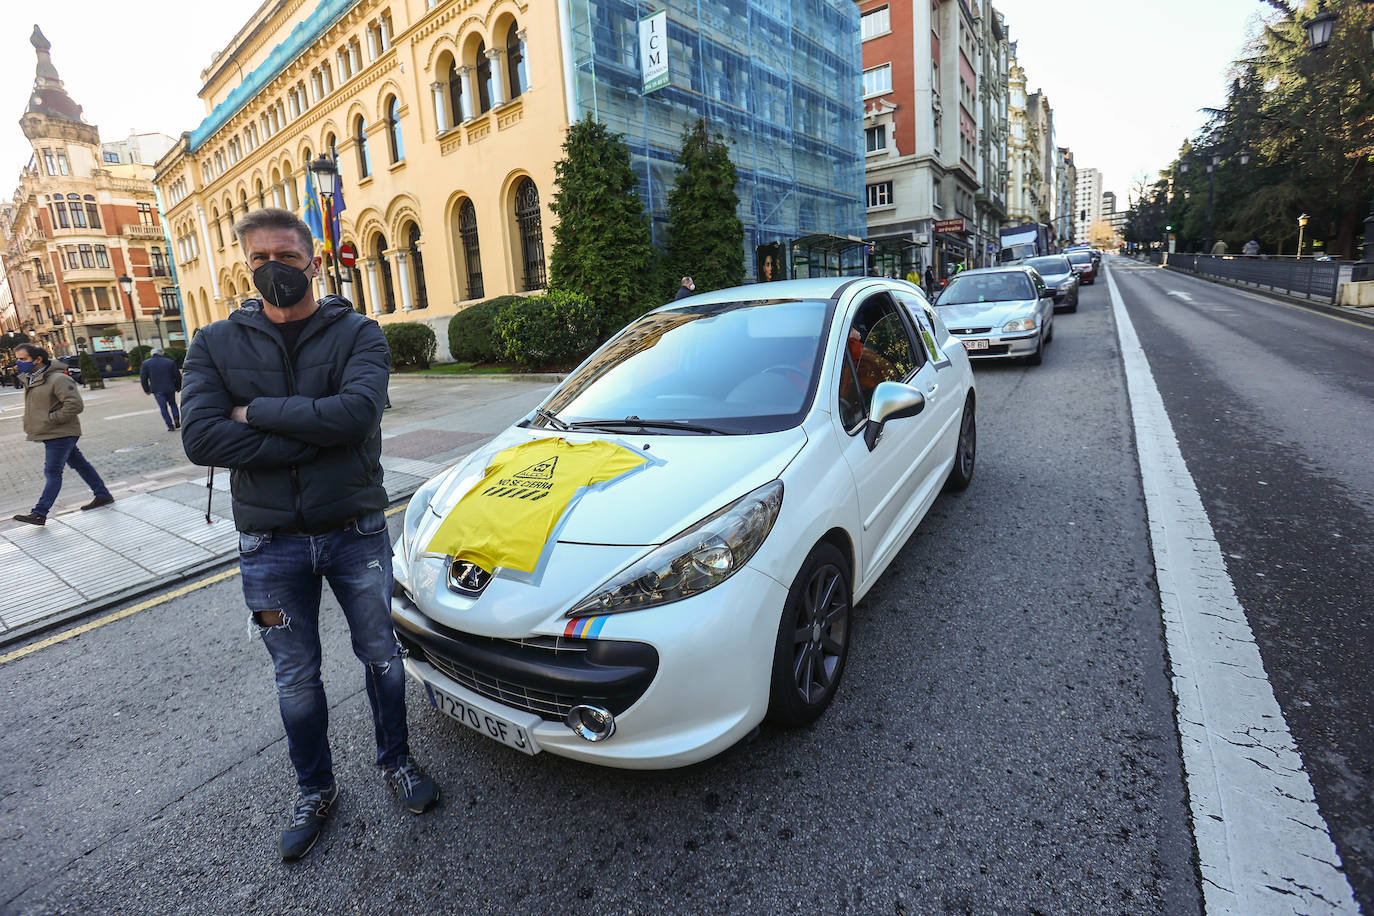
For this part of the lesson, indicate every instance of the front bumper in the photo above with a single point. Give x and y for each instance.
(685, 681)
(1003, 346)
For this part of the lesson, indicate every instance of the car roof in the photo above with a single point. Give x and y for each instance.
(1004, 269)
(812, 288)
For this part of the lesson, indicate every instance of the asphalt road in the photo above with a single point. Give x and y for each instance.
(1004, 741)
(1273, 406)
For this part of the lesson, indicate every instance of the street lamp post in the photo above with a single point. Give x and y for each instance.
(157, 325)
(71, 328)
(126, 283)
(1302, 226)
(324, 169)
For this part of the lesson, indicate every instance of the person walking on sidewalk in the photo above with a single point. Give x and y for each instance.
(288, 392)
(687, 288)
(162, 379)
(1251, 249)
(51, 405)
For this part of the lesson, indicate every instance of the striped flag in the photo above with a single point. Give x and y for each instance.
(336, 207)
(311, 206)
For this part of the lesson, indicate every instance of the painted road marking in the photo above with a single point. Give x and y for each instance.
(1263, 846)
(136, 413)
(1186, 297)
(1258, 297)
(143, 606)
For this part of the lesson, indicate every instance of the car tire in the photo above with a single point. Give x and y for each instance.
(965, 451)
(813, 639)
(1038, 356)
(1074, 307)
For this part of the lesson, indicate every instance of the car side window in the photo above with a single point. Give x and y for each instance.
(929, 328)
(878, 349)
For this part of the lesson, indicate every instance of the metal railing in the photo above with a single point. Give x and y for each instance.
(1306, 277)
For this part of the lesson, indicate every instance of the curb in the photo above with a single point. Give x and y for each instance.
(135, 592)
(1325, 307)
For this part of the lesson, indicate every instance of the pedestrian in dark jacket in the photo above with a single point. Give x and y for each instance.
(162, 379)
(687, 288)
(288, 393)
(51, 404)
(930, 280)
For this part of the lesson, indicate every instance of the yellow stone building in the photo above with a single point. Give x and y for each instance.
(445, 119)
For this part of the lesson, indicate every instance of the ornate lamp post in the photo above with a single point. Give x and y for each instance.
(1320, 27)
(126, 283)
(1302, 227)
(157, 325)
(324, 169)
(71, 328)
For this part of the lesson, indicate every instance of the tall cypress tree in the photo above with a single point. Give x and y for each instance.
(602, 247)
(705, 235)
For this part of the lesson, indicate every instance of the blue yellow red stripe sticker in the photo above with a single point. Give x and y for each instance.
(585, 627)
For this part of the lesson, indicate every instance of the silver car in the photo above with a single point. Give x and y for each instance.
(1059, 276)
(999, 312)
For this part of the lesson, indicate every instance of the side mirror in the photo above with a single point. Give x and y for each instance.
(1046, 293)
(891, 401)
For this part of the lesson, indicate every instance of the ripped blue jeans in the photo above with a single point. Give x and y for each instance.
(282, 575)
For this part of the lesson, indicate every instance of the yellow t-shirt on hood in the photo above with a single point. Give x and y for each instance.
(506, 519)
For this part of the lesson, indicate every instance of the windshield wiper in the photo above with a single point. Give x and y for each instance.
(550, 418)
(633, 422)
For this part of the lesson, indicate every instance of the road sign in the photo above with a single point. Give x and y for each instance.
(949, 225)
(348, 255)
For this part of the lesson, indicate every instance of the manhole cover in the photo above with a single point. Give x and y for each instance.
(134, 448)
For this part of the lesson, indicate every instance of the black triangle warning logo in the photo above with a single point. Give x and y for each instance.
(542, 470)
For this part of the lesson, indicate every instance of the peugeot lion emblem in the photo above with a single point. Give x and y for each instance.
(467, 578)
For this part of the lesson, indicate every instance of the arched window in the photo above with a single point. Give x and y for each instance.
(360, 140)
(243, 201)
(262, 195)
(288, 181)
(515, 61)
(451, 76)
(483, 79)
(332, 144)
(92, 212)
(472, 255)
(393, 129)
(417, 267)
(359, 296)
(530, 224)
(78, 214)
(215, 226)
(384, 273)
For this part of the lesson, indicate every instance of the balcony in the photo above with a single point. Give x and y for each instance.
(88, 275)
(139, 231)
(160, 272)
(46, 279)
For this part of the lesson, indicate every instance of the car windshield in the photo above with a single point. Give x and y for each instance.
(1055, 265)
(735, 367)
(1003, 287)
(1081, 257)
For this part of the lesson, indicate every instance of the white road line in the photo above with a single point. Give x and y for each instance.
(136, 413)
(1262, 844)
(1186, 297)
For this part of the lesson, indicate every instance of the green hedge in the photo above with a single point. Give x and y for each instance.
(557, 328)
(175, 354)
(138, 354)
(411, 343)
(472, 334)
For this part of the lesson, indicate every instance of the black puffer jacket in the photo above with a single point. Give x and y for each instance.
(309, 457)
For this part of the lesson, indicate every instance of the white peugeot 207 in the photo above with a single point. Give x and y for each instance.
(669, 549)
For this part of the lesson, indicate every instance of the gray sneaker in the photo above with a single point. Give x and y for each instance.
(307, 820)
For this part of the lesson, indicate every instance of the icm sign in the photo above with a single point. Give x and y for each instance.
(653, 50)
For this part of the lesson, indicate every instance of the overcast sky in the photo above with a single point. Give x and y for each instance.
(1126, 77)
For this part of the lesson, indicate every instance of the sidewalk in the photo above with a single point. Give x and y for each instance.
(84, 561)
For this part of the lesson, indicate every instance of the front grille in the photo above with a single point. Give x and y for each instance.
(969, 330)
(544, 675)
(551, 706)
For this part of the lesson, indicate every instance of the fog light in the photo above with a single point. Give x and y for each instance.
(591, 723)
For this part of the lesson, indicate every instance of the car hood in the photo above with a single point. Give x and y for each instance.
(1056, 279)
(685, 479)
(984, 314)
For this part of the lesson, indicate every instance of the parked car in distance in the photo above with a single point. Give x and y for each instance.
(71, 365)
(1059, 276)
(999, 312)
(1085, 265)
(782, 441)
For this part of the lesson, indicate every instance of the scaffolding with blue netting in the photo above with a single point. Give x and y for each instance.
(779, 78)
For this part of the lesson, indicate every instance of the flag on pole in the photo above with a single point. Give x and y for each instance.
(311, 205)
(336, 201)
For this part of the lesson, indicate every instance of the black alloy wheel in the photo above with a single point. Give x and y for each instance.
(966, 451)
(813, 639)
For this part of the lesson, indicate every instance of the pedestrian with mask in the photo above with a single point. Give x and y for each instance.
(687, 288)
(162, 379)
(288, 392)
(51, 405)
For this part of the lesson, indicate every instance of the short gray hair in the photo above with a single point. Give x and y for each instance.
(274, 218)
(157, 351)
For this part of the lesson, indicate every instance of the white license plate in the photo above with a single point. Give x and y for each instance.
(979, 344)
(493, 726)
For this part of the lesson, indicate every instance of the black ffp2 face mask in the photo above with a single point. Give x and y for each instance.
(281, 284)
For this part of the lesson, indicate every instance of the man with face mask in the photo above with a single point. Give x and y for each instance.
(287, 392)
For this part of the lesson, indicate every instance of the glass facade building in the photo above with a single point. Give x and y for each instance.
(779, 78)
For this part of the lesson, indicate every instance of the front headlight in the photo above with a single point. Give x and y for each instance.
(1019, 324)
(416, 509)
(702, 557)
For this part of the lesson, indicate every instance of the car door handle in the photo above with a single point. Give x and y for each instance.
(930, 392)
